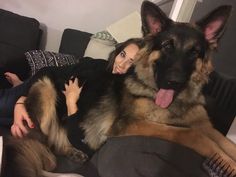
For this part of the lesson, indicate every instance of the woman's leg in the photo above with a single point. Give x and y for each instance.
(13, 79)
(8, 98)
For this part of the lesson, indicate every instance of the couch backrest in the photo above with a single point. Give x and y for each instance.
(18, 34)
(19, 31)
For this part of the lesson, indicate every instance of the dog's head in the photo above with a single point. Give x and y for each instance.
(177, 53)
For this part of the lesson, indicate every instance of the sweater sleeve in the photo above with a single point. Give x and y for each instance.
(76, 134)
(87, 67)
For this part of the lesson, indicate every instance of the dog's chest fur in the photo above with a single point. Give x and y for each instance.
(186, 110)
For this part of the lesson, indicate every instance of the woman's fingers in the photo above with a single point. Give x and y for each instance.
(76, 81)
(29, 121)
(16, 132)
(22, 128)
(70, 81)
(13, 131)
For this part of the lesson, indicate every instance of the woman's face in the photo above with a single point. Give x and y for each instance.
(125, 59)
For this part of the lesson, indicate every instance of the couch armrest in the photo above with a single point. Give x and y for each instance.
(74, 42)
(220, 95)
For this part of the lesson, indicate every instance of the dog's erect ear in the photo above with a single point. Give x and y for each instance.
(154, 19)
(213, 25)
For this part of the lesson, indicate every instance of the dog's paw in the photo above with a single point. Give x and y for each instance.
(77, 156)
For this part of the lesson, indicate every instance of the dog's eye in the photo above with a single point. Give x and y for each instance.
(167, 45)
(195, 52)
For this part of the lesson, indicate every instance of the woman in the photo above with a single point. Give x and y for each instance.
(8, 98)
(120, 58)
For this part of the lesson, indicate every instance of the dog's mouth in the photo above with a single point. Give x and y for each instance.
(164, 97)
(167, 92)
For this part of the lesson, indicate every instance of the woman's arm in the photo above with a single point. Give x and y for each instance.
(22, 120)
(19, 129)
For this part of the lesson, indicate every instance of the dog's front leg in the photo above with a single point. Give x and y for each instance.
(225, 144)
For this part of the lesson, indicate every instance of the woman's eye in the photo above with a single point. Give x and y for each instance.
(122, 54)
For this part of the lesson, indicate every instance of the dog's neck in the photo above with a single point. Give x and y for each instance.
(138, 88)
(187, 99)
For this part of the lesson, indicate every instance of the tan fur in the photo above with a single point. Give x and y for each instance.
(97, 133)
(30, 158)
(48, 119)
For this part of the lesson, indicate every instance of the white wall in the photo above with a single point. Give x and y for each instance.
(56, 15)
(232, 131)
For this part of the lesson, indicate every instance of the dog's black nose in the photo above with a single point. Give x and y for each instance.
(176, 77)
(174, 85)
(175, 80)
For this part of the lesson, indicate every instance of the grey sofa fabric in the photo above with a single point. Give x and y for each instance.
(74, 42)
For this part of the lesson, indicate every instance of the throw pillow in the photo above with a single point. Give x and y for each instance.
(127, 27)
(100, 45)
(104, 37)
(38, 59)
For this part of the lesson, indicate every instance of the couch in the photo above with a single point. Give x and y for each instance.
(220, 92)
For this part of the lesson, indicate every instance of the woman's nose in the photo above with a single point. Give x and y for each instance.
(122, 63)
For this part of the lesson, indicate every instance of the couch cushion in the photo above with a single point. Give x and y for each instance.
(38, 59)
(100, 45)
(97, 49)
(26, 35)
(74, 42)
(220, 93)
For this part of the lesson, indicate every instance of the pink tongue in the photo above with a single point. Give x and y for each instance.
(164, 97)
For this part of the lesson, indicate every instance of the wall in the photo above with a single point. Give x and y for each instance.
(56, 15)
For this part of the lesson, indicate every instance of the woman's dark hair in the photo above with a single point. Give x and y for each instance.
(119, 47)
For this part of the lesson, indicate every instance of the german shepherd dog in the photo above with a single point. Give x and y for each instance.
(161, 98)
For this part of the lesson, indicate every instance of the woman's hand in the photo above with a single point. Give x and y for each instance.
(19, 129)
(72, 94)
